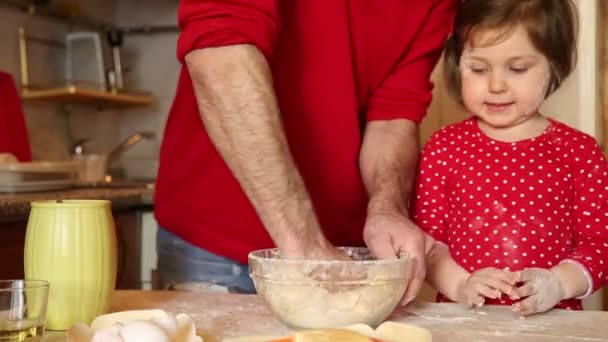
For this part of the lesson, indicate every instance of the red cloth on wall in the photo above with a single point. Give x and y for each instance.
(13, 131)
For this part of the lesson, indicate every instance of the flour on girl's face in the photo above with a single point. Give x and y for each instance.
(504, 81)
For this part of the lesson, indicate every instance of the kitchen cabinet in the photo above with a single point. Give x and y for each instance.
(12, 242)
(126, 208)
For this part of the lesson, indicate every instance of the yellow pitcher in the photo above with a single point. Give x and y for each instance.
(72, 245)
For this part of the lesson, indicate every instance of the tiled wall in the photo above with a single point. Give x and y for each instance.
(153, 66)
(48, 124)
(150, 65)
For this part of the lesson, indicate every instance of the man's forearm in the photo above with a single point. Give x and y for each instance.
(233, 87)
(388, 164)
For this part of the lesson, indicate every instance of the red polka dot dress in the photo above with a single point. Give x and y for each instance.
(532, 203)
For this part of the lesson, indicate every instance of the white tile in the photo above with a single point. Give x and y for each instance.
(140, 168)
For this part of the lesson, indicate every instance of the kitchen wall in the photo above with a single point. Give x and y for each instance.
(153, 66)
(46, 123)
(150, 65)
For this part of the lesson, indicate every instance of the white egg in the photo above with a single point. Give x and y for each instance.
(186, 331)
(125, 317)
(143, 331)
(108, 334)
(136, 326)
(168, 323)
(79, 332)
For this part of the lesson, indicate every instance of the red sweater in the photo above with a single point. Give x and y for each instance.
(336, 65)
(531, 203)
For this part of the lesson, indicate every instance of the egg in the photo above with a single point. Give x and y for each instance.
(143, 331)
(108, 334)
(168, 324)
(79, 332)
(135, 326)
(186, 331)
(125, 317)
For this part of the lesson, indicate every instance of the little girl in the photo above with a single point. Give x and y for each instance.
(517, 202)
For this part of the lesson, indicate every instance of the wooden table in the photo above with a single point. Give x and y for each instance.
(229, 315)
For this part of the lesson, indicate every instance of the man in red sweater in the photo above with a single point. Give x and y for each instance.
(294, 125)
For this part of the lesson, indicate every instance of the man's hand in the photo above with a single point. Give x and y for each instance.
(305, 249)
(388, 159)
(543, 289)
(486, 283)
(389, 235)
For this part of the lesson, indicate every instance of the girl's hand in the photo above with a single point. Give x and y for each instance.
(543, 289)
(486, 283)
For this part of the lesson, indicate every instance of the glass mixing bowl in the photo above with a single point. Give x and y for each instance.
(312, 294)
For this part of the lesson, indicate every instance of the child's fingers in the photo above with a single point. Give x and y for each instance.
(475, 299)
(527, 306)
(485, 290)
(526, 290)
(503, 275)
(496, 280)
(498, 284)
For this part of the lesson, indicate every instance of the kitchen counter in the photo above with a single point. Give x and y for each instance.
(231, 315)
(17, 206)
(129, 201)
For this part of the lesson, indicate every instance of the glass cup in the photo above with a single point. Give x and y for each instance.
(22, 309)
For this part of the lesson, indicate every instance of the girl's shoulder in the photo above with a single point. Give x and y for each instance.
(565, 135)
(456, 130)
(459, 131)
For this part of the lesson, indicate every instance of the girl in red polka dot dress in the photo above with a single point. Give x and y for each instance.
(517, 202)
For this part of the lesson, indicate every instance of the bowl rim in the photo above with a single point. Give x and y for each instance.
(403, 257)
(322, 283)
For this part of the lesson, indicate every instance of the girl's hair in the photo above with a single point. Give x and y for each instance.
(551, 26)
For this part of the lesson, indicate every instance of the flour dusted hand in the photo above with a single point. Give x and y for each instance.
(543, 290)
(390, 235)
(486, 283)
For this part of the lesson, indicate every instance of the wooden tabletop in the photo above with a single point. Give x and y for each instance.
(229, 315)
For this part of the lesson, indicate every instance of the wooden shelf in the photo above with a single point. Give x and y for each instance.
(72, 94)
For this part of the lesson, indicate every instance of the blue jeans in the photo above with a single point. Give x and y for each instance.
(182, 265)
